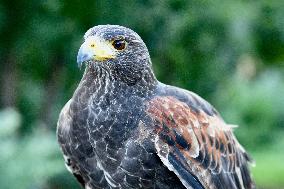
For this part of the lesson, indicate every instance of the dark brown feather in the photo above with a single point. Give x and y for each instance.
(205, 142)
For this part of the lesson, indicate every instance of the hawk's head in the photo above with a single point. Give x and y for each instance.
(117, 50)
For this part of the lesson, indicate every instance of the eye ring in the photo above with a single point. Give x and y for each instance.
(119, 44)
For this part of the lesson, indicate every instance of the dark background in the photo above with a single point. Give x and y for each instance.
(229, 52)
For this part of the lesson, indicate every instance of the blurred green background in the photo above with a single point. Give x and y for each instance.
(229, 52)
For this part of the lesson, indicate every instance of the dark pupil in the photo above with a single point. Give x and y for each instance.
(119, 44)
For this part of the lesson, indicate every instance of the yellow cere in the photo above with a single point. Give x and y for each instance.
(101, 49)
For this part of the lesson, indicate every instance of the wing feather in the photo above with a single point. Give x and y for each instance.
(200, 148)
(77, 149)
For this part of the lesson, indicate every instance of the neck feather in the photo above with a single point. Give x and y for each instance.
(99, 81)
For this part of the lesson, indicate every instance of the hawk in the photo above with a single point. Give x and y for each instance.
(124, 129)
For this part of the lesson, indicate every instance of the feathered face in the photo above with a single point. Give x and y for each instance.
(117, 49)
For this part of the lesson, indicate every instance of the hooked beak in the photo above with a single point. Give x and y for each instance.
(83, 55)
(95, 49)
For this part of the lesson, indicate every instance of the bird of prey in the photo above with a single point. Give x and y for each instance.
(123, 128)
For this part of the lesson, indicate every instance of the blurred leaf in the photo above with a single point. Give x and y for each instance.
(29, 162)
(254, 105)
(10, 122)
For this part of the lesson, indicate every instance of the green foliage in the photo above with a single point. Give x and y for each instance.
(229, 52)
(256, 106)
(268, 172)
(29, 161)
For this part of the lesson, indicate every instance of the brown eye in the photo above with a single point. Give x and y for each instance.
(119, 44)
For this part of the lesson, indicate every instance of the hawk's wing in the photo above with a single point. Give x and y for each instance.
(200, 148)
(78, 152)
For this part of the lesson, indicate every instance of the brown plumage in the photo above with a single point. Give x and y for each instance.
(204, 144)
